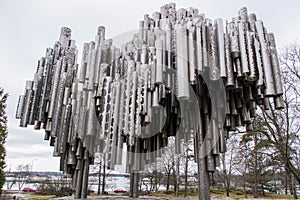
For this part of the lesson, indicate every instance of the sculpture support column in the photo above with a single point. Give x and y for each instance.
(134, 185)
(203, 174)
(85, 178)
(203, 180)
(79, 182)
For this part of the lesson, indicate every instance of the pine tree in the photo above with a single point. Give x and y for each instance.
(3, 135)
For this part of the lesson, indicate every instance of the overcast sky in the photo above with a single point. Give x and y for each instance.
(28, 27)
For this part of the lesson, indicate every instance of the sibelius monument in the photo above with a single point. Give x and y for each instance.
(181, 75)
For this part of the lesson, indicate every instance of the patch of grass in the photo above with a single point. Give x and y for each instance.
(278, 196)
(192, 193)
(180, 193)
(40, 197)
(217, 191)
(169, 192)
(238, 192)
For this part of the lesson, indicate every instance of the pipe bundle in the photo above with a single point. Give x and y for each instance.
(181, 75)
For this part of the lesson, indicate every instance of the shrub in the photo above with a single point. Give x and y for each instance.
(49, 189)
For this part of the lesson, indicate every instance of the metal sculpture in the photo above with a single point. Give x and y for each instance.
(182, 75)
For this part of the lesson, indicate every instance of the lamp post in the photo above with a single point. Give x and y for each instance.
(34, 159)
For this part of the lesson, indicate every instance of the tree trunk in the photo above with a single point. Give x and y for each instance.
(292, 169)
(289, 182)
(156, 181)
(168, 180)
(227, 191)
(291, 187)
(295, 194)
(244, 186)
(174, 182)
(286, 184)
(151, 185)
(263, 189)
(275, 181)
(255, 168)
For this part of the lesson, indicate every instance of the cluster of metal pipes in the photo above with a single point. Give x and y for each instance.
(181, 75)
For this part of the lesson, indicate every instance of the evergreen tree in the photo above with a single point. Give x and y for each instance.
(3, 135)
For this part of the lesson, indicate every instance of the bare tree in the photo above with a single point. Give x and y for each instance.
(167, 162)
(100, 168)
(228, 162)
(152, 178)
(243, 161)
(283, 126)
(22, 174)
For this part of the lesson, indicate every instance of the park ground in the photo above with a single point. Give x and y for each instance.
(216, 195)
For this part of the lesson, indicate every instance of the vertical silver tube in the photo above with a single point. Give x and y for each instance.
(65, 36)
(182, 62)
(204, 45)
(221, 47)
(192, 53)
(260, 80)
(214, 70)
(35, 98)
(45, 91)
(275, 64)
(266, 60)
(90, 67)
(144, 54)
(222, 142)
(20, 106)
(54, 89)
(251, 56)
(199, 47)
(159, 61)
(169, 47)
(83, 67)
(235, 49)
(92, 71)
(242, 43)
(27, 104)
(229, 70)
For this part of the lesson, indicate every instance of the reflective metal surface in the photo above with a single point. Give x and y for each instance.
(181, 76)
